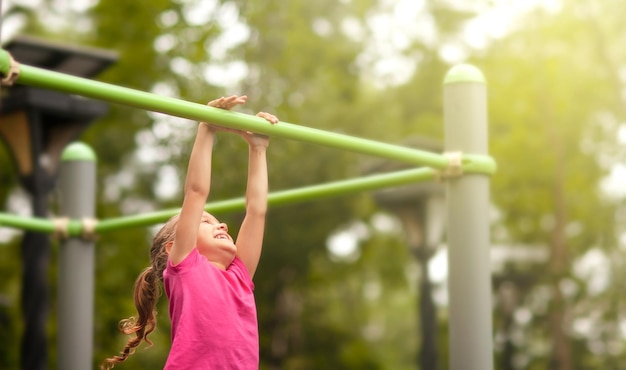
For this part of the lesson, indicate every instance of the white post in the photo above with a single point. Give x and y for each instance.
(77, 195)
(469, 281)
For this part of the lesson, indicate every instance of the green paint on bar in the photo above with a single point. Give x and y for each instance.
(284, 197)
(43, 78)
(38, 77)
(78, 151)
(32, 76)
(279, 198)
(41, 225)
(464, 73)
(5, 62)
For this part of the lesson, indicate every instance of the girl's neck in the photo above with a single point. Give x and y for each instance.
(219, 265)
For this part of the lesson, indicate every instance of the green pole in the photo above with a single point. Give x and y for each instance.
(38, 77)
(469, 279)
(278, 198)
(284, 197)
(42, 225)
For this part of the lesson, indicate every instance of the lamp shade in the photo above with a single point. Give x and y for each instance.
(36, 124)
(77, 61)
(32, 117)
(15, 132)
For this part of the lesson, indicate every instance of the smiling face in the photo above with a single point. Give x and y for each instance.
(214, 242)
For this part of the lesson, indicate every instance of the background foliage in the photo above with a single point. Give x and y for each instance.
(370, 68)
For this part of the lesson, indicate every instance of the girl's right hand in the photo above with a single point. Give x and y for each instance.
(229, 103)
(226, 103)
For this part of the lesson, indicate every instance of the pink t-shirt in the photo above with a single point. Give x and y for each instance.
(213, 313)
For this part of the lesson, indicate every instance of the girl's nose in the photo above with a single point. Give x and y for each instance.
(222, 226)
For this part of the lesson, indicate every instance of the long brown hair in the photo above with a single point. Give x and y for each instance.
(147, 291)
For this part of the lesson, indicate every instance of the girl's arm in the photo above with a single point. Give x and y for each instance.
(197, 184)
(250, 237)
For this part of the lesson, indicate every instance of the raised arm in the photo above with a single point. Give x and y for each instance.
(250, 238)
(197, 184)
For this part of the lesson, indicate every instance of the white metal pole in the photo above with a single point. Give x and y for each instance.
(77, 195)
(469, 280)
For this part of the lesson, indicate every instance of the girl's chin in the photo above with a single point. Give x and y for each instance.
(220, 250)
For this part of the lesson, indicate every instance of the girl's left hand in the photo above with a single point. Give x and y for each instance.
(258, 140)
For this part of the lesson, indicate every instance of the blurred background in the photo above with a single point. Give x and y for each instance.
(354, 282)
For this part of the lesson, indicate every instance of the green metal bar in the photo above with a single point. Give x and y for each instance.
(36, 224)
(479, 164)
(283, 197)
(5, 62)
(279, 198)
(42, 78)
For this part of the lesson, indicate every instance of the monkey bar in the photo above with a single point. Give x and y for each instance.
(465, 167)
(42, 78)
(332, 189)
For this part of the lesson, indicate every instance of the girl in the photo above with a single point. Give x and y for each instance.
(207, 276)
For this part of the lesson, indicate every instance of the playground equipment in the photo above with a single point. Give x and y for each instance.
(464, 166)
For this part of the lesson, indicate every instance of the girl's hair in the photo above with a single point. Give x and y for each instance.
(146, 294)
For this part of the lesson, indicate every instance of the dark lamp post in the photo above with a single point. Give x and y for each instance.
(36, 125)
(77, 61)
(421, 209)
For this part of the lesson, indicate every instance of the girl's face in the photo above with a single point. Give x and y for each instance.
(214, 242)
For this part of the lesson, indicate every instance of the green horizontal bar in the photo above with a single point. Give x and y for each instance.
(284, 197)
(42, 225)
(38, 224)
(43, 78)
(5, 62)
(279, 198)
(476, 163)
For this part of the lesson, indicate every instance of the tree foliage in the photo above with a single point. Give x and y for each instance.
(554, 109)
(555, 88)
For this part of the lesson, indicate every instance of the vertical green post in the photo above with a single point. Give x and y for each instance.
(77, 195)
(469, 279)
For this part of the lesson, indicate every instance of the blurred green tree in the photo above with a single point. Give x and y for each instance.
(313, 63)
(554, 111)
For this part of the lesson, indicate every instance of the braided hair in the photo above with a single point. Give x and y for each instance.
(147, 291)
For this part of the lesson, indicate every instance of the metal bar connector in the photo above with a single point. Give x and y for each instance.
(12, 74)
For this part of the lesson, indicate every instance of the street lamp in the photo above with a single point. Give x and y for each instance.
(420, 208)
(36, 125)
(517, 276)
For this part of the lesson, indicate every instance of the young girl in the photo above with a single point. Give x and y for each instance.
(207, 276)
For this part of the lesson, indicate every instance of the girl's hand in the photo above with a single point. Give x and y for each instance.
(226, 103)
(258, 140)
(254, 140)
(268, 117)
